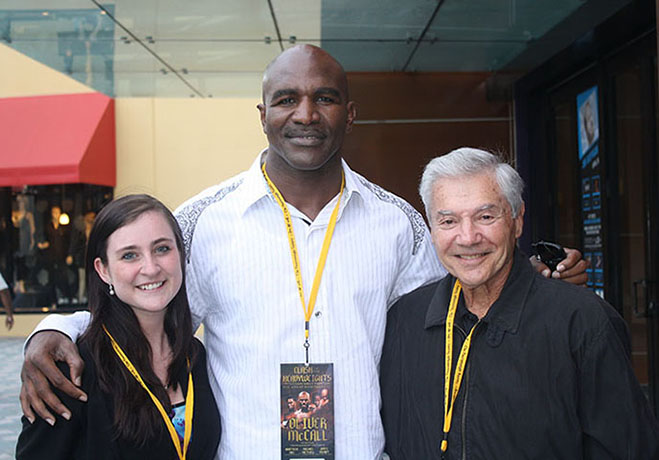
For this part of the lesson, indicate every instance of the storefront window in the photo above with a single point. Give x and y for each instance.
(44, 234)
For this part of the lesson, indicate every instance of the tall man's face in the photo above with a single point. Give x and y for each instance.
(473, 230)
(305, 112)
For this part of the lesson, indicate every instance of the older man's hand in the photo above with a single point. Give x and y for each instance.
(571, 269)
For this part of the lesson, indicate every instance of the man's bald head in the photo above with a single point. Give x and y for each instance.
(305, 111)
(301, 59)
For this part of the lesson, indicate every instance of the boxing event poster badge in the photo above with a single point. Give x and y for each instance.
(307, 411)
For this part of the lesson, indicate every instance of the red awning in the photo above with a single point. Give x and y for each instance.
(59, 139)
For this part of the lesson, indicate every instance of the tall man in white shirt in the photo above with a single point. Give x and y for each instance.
(241, 282)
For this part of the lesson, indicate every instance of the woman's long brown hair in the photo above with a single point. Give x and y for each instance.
(136, 419)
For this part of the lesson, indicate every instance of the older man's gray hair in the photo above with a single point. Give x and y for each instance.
(467, 161)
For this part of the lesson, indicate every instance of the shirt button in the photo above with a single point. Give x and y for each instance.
(319, 314)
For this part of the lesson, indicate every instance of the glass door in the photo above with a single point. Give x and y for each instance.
(628, 190)
(634, 225)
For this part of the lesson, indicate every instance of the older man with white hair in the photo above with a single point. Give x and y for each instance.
(494, 361)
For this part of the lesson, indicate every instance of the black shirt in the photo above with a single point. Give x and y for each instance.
(89, 435)
(548, 376)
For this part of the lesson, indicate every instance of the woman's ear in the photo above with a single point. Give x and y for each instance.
(102, 270)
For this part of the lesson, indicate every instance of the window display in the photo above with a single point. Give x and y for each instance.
(44, 230)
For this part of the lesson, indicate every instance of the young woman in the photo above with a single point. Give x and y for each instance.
(145, 373)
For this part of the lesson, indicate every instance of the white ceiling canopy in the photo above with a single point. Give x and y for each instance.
(210, 48)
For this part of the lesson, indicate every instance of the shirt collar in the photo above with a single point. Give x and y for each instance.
(256, 187)
(505, 313)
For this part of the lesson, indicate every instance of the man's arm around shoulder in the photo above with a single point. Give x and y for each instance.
(50, 342)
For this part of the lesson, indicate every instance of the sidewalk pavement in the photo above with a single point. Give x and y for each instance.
(11, 353)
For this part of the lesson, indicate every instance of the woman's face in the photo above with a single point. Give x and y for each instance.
(143, 264)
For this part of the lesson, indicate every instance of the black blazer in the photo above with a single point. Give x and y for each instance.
(88, 435)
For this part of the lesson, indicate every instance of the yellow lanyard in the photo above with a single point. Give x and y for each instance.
(307, 308)
(189, 401)
(448, 358)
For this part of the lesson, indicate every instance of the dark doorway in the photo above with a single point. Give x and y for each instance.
(628, 259)
(632, 82)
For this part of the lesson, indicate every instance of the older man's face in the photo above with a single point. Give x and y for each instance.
(473, 230)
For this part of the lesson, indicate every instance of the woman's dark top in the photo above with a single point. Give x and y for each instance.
(89, 434)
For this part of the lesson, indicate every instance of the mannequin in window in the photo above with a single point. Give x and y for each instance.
(55, 249)
(76, 257)
(23, 220)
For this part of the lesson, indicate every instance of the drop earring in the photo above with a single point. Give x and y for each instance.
(111, 289)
